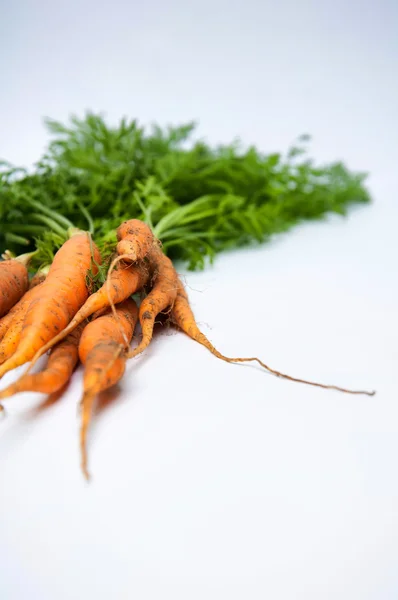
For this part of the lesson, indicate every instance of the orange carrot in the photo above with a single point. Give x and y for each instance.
(9, 320)
(58, 371)
(14, 281)
(101, 350)
(161, 296)
(5, 322)
(124, 282)
(183, 317)
(11, 339)
(135, 240)
(61, 295)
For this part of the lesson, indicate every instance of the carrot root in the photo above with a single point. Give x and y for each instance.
(101, 350)
(87, 403)
(183, 317)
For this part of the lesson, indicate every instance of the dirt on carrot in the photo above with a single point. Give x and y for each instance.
(56, 374)
(135, 239)
(54, 315)
(123, 283)
(162, 296)
(61, 295)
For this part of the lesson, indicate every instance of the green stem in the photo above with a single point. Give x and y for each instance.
(88, 217)
(145, 210)
(16, 239)
(182, 240)
(51, 213)
(34, 229)
(53, 225)
(183, 214)
(183, 233)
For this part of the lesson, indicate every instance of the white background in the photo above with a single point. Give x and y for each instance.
(210, 480)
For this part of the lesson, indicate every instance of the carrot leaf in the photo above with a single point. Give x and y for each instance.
(199, 199)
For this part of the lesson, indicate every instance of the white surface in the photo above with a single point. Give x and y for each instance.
(211, 480)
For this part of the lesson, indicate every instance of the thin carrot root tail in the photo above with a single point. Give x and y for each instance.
(87, 406)
(298, 380)
(202, 339)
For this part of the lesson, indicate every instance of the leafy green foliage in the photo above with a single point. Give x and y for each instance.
(199, 200)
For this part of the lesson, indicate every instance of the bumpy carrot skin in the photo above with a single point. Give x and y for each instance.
(124, 282)
(11, 339)
(5, 322)
(135, 239)
(14, 281)
(162, 296)
(101, 350)
(58, 371)
(183, 317)
(61, 295)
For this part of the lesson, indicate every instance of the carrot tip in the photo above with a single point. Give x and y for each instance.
(86, 474)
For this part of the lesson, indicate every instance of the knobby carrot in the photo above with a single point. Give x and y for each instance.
(135, 239)
(58, 371)
(61, 295)
(183, 317)
(14, 281)
(135, 243)
(101, 350)
(161, 296)
(123, 282)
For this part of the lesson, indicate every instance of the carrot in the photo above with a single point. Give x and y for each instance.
(58, 371)
(159, 298)
(6, 321)
(123, 283)
(14, 281)
(61, 295)
(135, 239)
(19, 309)
(12, 337)
(183, 317)
(101, 350)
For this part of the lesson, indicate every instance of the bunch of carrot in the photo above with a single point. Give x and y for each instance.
(57, 312)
